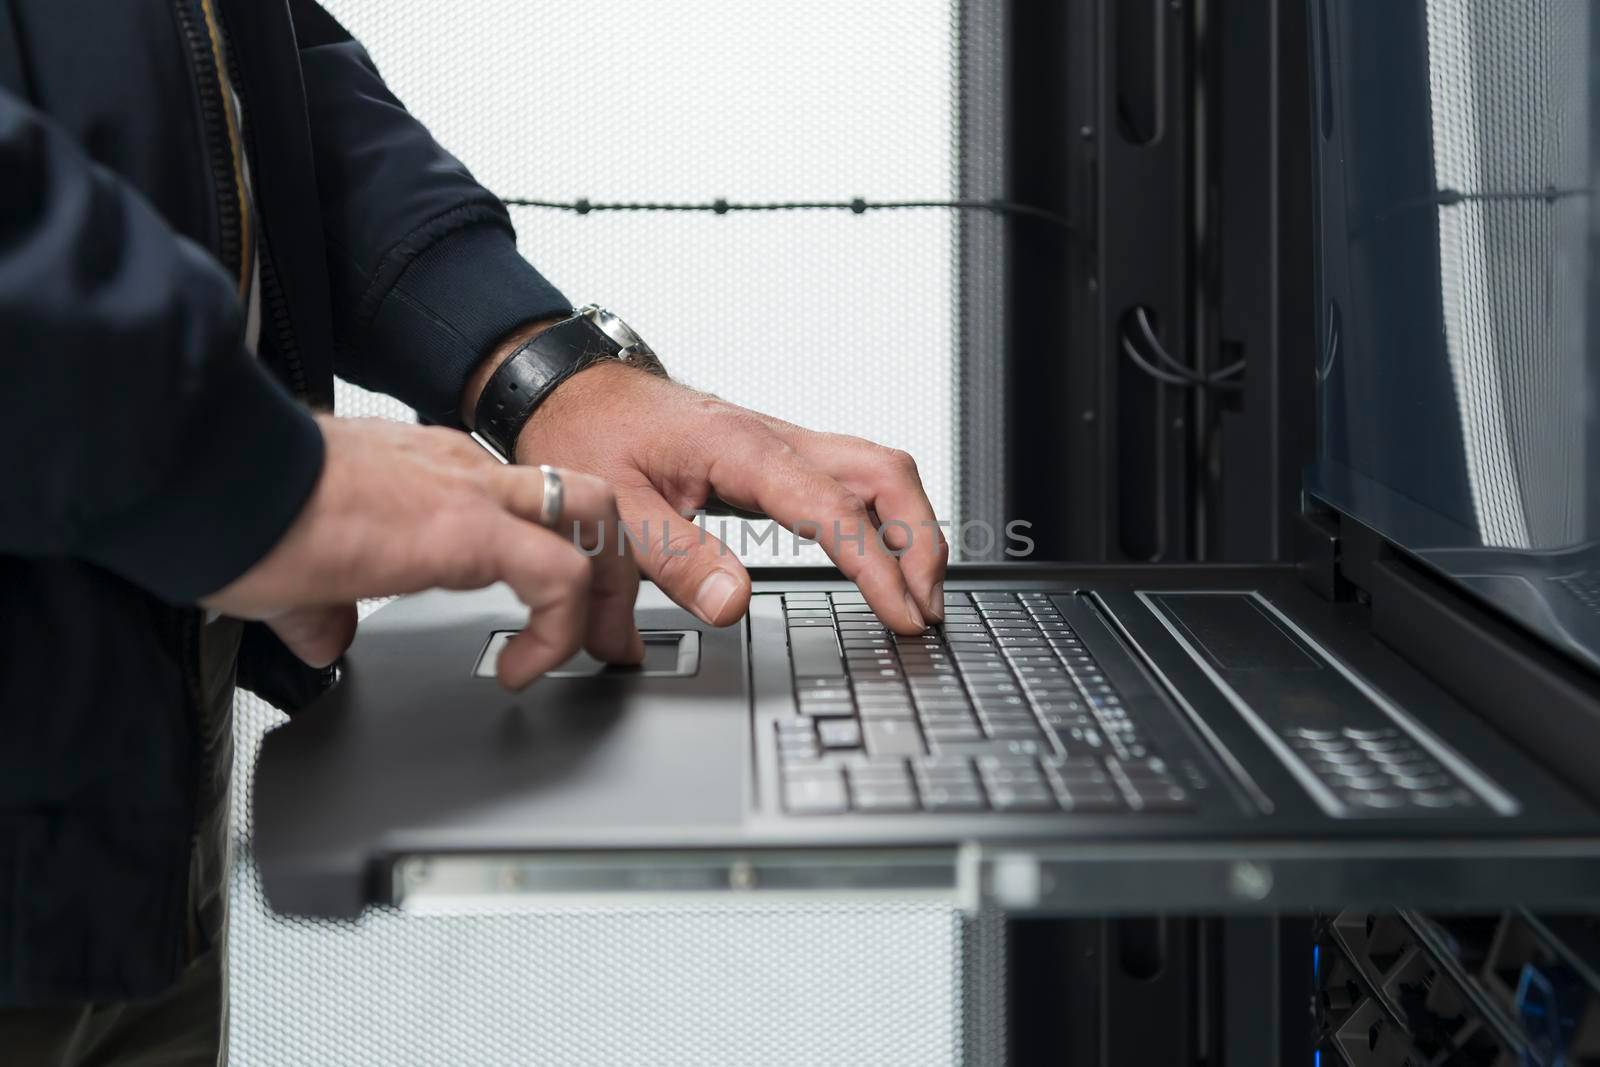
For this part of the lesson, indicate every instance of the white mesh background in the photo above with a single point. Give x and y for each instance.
(1509, 85)
(803, 984)
(839, 322)
(836, 321)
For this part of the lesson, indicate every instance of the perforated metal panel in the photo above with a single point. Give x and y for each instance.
(886, 983)
(1508, 83)
(840, 322)
(835, 321)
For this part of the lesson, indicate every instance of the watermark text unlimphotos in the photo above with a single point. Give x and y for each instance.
(975, 539)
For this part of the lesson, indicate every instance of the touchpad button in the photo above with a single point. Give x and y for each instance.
(667, 654)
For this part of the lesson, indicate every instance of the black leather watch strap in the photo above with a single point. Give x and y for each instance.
(531, 373)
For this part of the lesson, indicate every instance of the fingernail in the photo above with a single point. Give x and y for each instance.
(718, 588)
(938, 601)
(915, 613)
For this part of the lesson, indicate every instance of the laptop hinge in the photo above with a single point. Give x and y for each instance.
(1319, 551)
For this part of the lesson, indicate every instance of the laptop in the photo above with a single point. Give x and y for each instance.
(1409, 712)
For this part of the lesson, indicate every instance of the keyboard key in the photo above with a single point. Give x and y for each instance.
(940, 766)
(1022, 798)
(1015, 731)
(946, 709)
(839, 733)
(831, 709)
(815, 795)
(997, 760)
(1356, 770)
(892, 737)
(823, 694)
(1374, 799)
(944, 704)
(1164, 797)
(951, 798)
(948, 721)
(886, 709)
(880, 685)
(1007, 716)
(1088, 799)
(1376, 733)
(877, 800)
(815, 653)
(1447, 798)
(941, 732)
(944, 672)
(879, 774)
(1423, 783)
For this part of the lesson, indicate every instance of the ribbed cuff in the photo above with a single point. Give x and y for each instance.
(449, 309)
(248, 458)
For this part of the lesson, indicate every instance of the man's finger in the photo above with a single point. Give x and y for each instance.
(318, 635)
(589, 521)
(888, 481)
(551, 577)
(790, 489)
(690, 565)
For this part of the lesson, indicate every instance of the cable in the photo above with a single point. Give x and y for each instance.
(1447, 198)
(857, 206)
(1177, 373)
(1155, 372)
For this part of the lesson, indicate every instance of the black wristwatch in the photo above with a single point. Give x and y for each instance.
(532, 372)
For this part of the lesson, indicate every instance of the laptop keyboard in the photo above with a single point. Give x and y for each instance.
(1002, 708)
(1584, 587)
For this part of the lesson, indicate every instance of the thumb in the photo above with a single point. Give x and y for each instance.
(318, 635)
(690, 565)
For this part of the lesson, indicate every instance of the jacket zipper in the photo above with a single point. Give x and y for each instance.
(202, 39)
(216, 129)
(274, 305)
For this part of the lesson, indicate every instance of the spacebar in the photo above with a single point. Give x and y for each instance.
(816, 652)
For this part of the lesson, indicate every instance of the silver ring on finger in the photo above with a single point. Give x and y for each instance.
(550, 505)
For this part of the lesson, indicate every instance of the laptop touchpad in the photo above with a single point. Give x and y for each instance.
(667, 654)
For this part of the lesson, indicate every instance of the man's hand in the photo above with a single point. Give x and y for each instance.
(405, 508)
(665, 449)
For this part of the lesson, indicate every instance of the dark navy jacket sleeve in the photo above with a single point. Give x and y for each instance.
(423, 260)
(136, 431)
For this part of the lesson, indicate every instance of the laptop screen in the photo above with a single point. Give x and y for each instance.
(1458, 352)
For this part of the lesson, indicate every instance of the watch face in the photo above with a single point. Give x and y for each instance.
(631, 347)
(614, 327)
